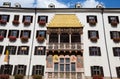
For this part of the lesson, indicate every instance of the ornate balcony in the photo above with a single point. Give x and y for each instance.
(12, 38)
(15, 22)
(1, 38)
(65, 46)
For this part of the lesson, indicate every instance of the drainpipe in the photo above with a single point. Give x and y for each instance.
(102, 9)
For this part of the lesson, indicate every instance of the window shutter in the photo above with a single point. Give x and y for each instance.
(21, 33)
(111, 34)
(33, 70)
(31, 19)
(15, 49)
(5, 49)
(1, 69)
(114, 51)
(117, 71)
(90, 53)
(46, 19)
(17, 33)
(23, 19)
(119, 34)
(0, 17)
(8, 16)
(35, 50)
(99, 51)
(38, 19)
(44, 50)
(29, 34)
(92, 70)
(24, 73)
(18, 52)
(37, 33)
(1, 49)
(109, 19)
(89, 34)
(27, 50)
(87, 19)
(42, 70)
(5, 32)
(9, 33)
(101, 70)
(96, 19)
(11, 67)
(117, 19)
(15, 70)
(97, 34)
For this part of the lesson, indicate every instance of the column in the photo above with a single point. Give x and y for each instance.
(59, 38)
(47, 38)
(70, 38)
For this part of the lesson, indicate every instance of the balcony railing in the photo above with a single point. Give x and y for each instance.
(65, 46)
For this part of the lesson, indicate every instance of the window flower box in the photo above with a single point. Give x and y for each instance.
(114, 23)
(19, 76)
(116, 39)
(93, 39)
(26, 23)
(3, 22)
(12, 38)
(42, 23)
(1, 38)
(92, 22)
(97, 77)
(40, 39)
(15, 22)
(37, 76)
(24, 39)
(4, 76)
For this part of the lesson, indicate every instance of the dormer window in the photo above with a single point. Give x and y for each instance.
(27, 20)
(92, 20)
(113, 20)
(4, 19)
(42, 20)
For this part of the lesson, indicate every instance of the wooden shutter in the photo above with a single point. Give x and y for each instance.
(42, 70)
(15, 47)
(23, 19)
(15, 70)
(21, 33)
(90, 52)
(87, 19)
(24, 73)
(33, 70)
(11, 67)
(117, 19)
(38, 19)
(8, 16)
(114, 51)
(29, 32)
(95, 18)
(5, 32)
(0, 17)
(99, 51)
(31, 18)
(9, 33)
(46, 19)
(35, 50)
(111, 34)
(92, 73)
(117, 71)
(27, 50)
(1, 49)
(44, 50)
(109, 20)
(17, 33)
(1, 69)
(89, 35)
(97, 33)
(101, 70)
(19, 49)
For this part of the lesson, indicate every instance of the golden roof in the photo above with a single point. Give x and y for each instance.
(65, 20)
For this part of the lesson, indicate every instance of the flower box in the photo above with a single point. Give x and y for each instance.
(93, 39)
(92, 22)
(4, 76)
(114, 23)
(15, 22)
(40, 39)
(37, 76)
(24, 39)
(12, 38)
(1, 38)
(26, 23)
(42, 23)
(97, 77)
(19, 76)
(3, 22)
(116, 39)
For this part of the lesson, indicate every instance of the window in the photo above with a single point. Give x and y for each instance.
(115, 35)
(55, 66)
(25, 33)
(93, 35)
(40, 36)
(1, 49)
(94, 51)
(38, 70)
(118, 71)
(97, 70)
(3, 33)
(4, 19)
(39, 50)
(11, 49)
(64, 38)
(113, 20)
(73, 67)
(6, 69)
(92, 20)
(16, 20)
(23, 50)
(20, 69)
(116, 51)
(53, 38)
(14, 33)
(27, 19)
(75, 37)
(42, 20)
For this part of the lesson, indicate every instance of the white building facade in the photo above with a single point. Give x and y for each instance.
(60, 43)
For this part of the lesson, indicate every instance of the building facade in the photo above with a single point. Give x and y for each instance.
(60, 43)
